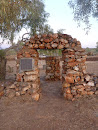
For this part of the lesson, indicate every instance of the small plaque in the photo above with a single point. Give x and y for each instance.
(26, 64)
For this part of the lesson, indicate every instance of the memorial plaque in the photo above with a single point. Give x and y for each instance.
(26, 64)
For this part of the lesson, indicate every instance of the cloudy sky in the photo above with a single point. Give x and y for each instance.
(61, 17)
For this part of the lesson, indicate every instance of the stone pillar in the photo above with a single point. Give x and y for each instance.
(53, 68)
(27, 81)
(73, 73)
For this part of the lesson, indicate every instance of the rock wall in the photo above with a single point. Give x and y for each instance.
(27, 82)
(76, 82)
(2, 68)
(11, 67)
(53, 68)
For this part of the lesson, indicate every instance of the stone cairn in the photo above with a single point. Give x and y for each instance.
(53, 68)
(75, 80)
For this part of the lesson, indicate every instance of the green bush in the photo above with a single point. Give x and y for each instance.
(2, 54)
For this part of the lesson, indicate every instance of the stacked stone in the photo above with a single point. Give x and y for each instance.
(1, 90)
(53, 68)
(48, 41)
(76, 82)
(26, 81)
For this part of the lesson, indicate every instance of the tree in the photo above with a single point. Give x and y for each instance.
(97, 46)
(83, 10)
(60, 31)
(16, 14)
(46, 29)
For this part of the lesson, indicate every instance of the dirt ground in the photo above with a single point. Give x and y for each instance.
(92, 67)
(51, 112)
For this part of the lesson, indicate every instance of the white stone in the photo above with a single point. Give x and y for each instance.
(12, 86)
(29, 78)
(26, 88)
(96, 92)
(87, 78)
(17, 94)
(54, 45)
(48, 68)
(90, 83)
(66, 41)
(31, 72)
(34, 86)
(76, 68)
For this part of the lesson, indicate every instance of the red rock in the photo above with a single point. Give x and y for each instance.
(60, 46)
(27, 43)
(55, 36)
(46, 40)
(1, 93)
(68, 91)
(77, 79)
(66, 45)
(79, 86)
(73, 45)
(90, 93)
(66, 85)
(36, 46)
(19, 56)
(69, 79)
(48, 46)
(77, 96)
(27, 55)
(80, 89)
(84, 93)
(72, 64)
(73, 92)
(32, 41)
(62, 40)
(19, 77)
(44, 35)
(42, 46)
(69, 96)
(78, 43)
(35, 96)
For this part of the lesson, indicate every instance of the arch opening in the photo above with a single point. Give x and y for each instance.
(74, 76)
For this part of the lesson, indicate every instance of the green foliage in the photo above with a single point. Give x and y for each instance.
(88, 49)
(46, 29)
(16, 14)
(97, 46)
(60, 31)
(55, 52)
(2, 54)
(91, 51)
(11, 52)
(83, 10)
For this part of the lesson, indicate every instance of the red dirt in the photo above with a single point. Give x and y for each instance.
(51, 112)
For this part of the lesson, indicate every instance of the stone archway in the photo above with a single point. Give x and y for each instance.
(75, 80)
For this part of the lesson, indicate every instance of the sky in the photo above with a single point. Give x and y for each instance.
(61, 17)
